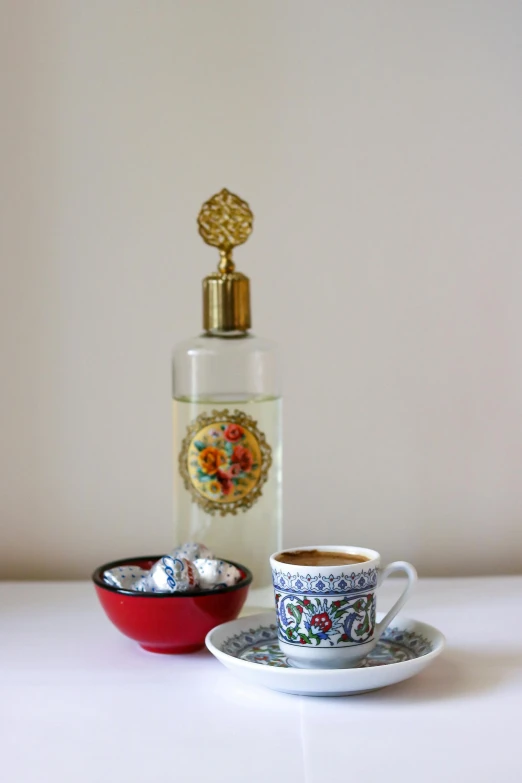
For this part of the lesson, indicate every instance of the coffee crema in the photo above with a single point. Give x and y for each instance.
(319, 557)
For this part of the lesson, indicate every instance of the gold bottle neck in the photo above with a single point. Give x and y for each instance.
(226, 302)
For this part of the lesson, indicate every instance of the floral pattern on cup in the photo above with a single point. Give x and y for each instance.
(345, 584)
(325, 622)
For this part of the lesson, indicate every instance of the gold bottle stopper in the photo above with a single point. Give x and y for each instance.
(225, 221)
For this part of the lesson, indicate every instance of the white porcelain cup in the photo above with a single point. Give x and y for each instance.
(326, 614)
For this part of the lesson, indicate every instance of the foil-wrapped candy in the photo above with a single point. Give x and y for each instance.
(141, 585)
(192, 550)
(172, 575)
(126, 577)
(189, 567)
(216, 573)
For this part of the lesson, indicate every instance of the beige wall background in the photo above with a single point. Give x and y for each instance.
(380, 145)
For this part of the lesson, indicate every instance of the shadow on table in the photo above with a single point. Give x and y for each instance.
(455, 674)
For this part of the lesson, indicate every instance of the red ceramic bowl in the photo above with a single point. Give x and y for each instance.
(169, 622)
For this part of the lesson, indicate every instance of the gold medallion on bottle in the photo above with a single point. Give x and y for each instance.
(224, 461)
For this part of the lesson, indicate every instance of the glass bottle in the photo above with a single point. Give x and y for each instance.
(227, 413)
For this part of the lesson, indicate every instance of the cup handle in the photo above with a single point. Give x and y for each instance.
(411, 573)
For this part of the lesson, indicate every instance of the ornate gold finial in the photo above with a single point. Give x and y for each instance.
(225, 221)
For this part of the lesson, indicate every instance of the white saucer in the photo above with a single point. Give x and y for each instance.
(249, 648)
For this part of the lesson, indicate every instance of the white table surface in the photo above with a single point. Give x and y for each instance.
(79, 702)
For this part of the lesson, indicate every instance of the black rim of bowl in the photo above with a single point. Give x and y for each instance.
(98, 579)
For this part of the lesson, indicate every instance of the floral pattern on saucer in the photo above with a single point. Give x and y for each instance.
(260, 646)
